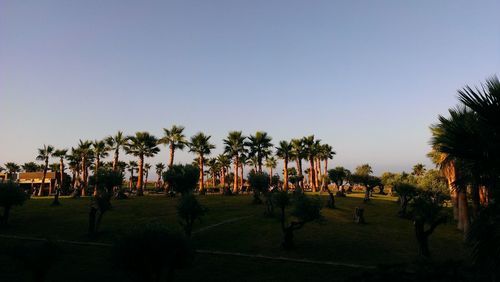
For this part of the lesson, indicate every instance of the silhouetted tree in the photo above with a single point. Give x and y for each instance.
(305, 210)
(10, 195)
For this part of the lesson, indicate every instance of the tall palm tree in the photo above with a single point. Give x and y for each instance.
(12, 168)
(311, 150)
(74, 161)
(174, 139)
(86, 156)
(326, 153)
(234, 147)
(142, 145)
(200, 145)
(61, 154)
(224, 164)
(115, 143)
(458, 137)
(271, 164)
(44, 154)
(159, 170)
(132, 167)
(298, 154)
(30, 167)
(260, 147)
(99, 150)
(284, 151)
(213, 169)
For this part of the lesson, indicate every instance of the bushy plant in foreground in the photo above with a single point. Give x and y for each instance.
(10, 195)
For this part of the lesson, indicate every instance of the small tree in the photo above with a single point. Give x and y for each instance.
(108, 180)
(406, 192)
(182, 178)
(189, 210)
(259, 183)
(426, 211)
(152, 253)
(10, 195)
(99, 205)
(305, 210)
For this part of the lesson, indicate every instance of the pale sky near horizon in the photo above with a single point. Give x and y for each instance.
(367, 77)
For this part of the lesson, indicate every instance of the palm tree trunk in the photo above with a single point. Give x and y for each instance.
(115, 160)
(242, 166)
(140, 175)
(172, 151)
(158, 181)
(236, 166)
(223, 177)
(463, 212)
(145, 182)
(317, 173)
(84, 176)
(201, 173)
(311, 174)
(61, 171)
(40, 193)
(96, 180)
(285, 175)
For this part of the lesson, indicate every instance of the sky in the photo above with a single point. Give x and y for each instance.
(367, 77)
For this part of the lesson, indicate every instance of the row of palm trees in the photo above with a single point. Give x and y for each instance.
(239, 150)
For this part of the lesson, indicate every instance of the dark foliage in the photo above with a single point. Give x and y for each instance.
(10, 195)
(152, 253)
(189, 210)
(36, 257)
(182, 178)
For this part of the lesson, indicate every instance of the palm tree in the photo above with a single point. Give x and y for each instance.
(224, 164)
(284, 151)
(234, 147)
(131, 167)
(364, 170)
(213, 169)
(456, 137)
(200, 145)
(326, 153)
(115, 143)
(30, 167)
(271, 164)
(142, 145)
(147, 167)
(12, 168)
(298, 154)
(418, 169)
(174, 139)
(74, 161)
(311, 150)
(61, 154)
(44, 154)
(86, 155)
(159, 170)
(100, 150)
(260, 147)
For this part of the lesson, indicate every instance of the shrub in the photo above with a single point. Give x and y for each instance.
(182, 178)
(189, 210)
(10, 195)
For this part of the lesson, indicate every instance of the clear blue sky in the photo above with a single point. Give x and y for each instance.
(367, 77)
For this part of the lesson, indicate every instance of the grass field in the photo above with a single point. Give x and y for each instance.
(385, 239)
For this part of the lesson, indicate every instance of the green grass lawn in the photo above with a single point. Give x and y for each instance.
(385, 239)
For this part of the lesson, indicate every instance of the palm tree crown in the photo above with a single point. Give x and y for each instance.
(260, 146)
(174, 138)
